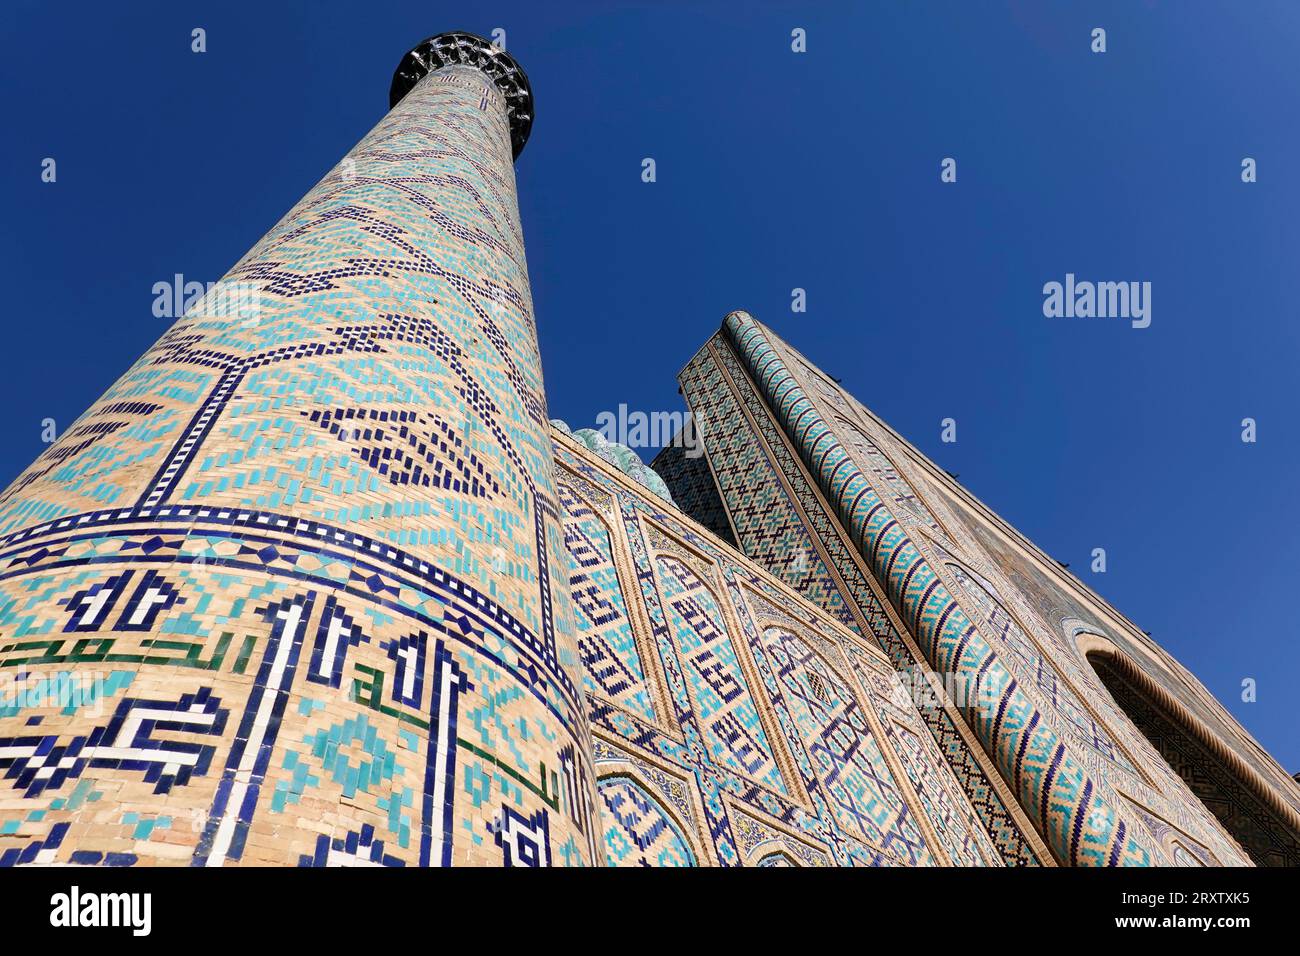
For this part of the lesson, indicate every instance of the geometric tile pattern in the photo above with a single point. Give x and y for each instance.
(1064, 802)
(722, 700)
(712, 402)
(842, 752)
(942, 798)
(1208, 796)
(610, 658)
(1051, 599)
(767, 528)
(1034, 623)
(320, 586)
(1041, 677)
(637, 832)
(691, 483)
(765, 749)
(1036, 639)
(1267, 839)
(875, 464)
(295, 589)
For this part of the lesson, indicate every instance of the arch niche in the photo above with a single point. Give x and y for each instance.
(1242, 801)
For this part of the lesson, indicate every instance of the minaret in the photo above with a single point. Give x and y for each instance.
(293, 590)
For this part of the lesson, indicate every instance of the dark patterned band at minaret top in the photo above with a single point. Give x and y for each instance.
(469, 49)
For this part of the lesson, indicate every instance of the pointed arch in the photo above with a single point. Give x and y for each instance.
(640, 829)
(1247, 807)
(777, 858)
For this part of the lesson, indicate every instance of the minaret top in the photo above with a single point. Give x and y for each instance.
(470, 49)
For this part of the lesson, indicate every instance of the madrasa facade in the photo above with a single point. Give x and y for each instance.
(320, 584)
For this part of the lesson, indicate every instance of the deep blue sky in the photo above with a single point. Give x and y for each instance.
(775, 170)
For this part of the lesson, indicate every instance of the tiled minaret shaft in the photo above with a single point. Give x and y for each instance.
(294, 590)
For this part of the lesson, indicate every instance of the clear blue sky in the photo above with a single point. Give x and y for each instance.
(775, 170)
